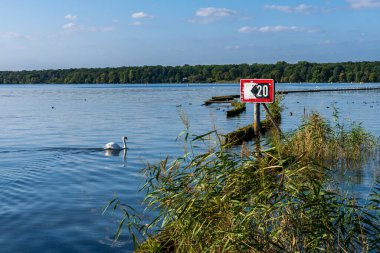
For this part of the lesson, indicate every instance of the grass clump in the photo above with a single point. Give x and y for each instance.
(275, 109)
(318, 140)
(238, 107)
(225, 201)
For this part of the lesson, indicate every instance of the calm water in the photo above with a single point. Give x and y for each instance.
(55, 179)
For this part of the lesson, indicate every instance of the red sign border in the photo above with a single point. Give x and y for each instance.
(257, 100)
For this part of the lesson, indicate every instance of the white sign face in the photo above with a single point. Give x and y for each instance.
(248, 87)
(257, 90)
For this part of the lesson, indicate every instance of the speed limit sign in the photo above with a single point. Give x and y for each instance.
(257, 90)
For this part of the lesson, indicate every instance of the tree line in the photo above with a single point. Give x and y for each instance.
(281, 71)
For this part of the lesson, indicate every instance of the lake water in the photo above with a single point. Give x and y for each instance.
(55, 178)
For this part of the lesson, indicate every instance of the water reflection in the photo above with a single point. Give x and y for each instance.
(115, 152)
(358, 178)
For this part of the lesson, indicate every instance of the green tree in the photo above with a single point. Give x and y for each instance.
(373, 77)
(113, 77)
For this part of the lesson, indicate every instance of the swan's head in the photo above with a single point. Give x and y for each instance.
(124, 140)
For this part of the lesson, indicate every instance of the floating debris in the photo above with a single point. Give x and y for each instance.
(221, 99)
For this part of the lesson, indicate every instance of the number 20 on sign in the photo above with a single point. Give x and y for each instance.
(257, 90)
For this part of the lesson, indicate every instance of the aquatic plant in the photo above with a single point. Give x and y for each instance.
(277, 201)
(329, 144)
(275, 109)
(238, 107)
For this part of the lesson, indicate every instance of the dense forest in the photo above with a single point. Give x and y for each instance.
(281, 72)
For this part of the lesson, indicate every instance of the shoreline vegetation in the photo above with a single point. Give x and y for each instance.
(247, 199)
(281, 72)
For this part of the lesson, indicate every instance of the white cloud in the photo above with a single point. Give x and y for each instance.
(72, 27)
(214, 12)
(141, 15)
(99, 28)
(234, 47)
(69, 26)
(137, 23)
(279, 28)
(70, 17)
(358, 4)
(302, 8)
(211, 14)
(275, 29)
(247, 29)
(10, 35)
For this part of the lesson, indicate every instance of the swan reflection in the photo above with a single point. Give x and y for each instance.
(115, 152)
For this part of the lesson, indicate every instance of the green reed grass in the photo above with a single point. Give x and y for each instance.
(225, 201)
(276, 108)
(238, 107)
(329, 143)
(277, 200)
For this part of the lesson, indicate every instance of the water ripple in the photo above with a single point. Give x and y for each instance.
(55, 178)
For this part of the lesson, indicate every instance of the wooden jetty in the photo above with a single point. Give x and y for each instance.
(221, 99)
(329, 90)
(230, 98)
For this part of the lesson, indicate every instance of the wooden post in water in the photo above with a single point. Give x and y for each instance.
(256, 119)
(256, 129)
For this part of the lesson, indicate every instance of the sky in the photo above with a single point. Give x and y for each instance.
(61, 34)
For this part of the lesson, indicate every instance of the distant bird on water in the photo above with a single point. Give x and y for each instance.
(115, 146)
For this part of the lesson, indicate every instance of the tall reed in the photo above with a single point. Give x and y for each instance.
(329, 144)
(225, 201)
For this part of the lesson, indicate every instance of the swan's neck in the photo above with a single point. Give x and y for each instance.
(125, 144)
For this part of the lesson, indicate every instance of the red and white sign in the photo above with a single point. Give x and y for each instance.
(257, 90)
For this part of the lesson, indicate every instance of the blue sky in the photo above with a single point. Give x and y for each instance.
(53, 34)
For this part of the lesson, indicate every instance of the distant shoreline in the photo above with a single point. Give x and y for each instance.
(193, 84)
(189, 84)
(281, 72)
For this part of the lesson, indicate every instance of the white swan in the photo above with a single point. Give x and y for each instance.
(115, 146)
